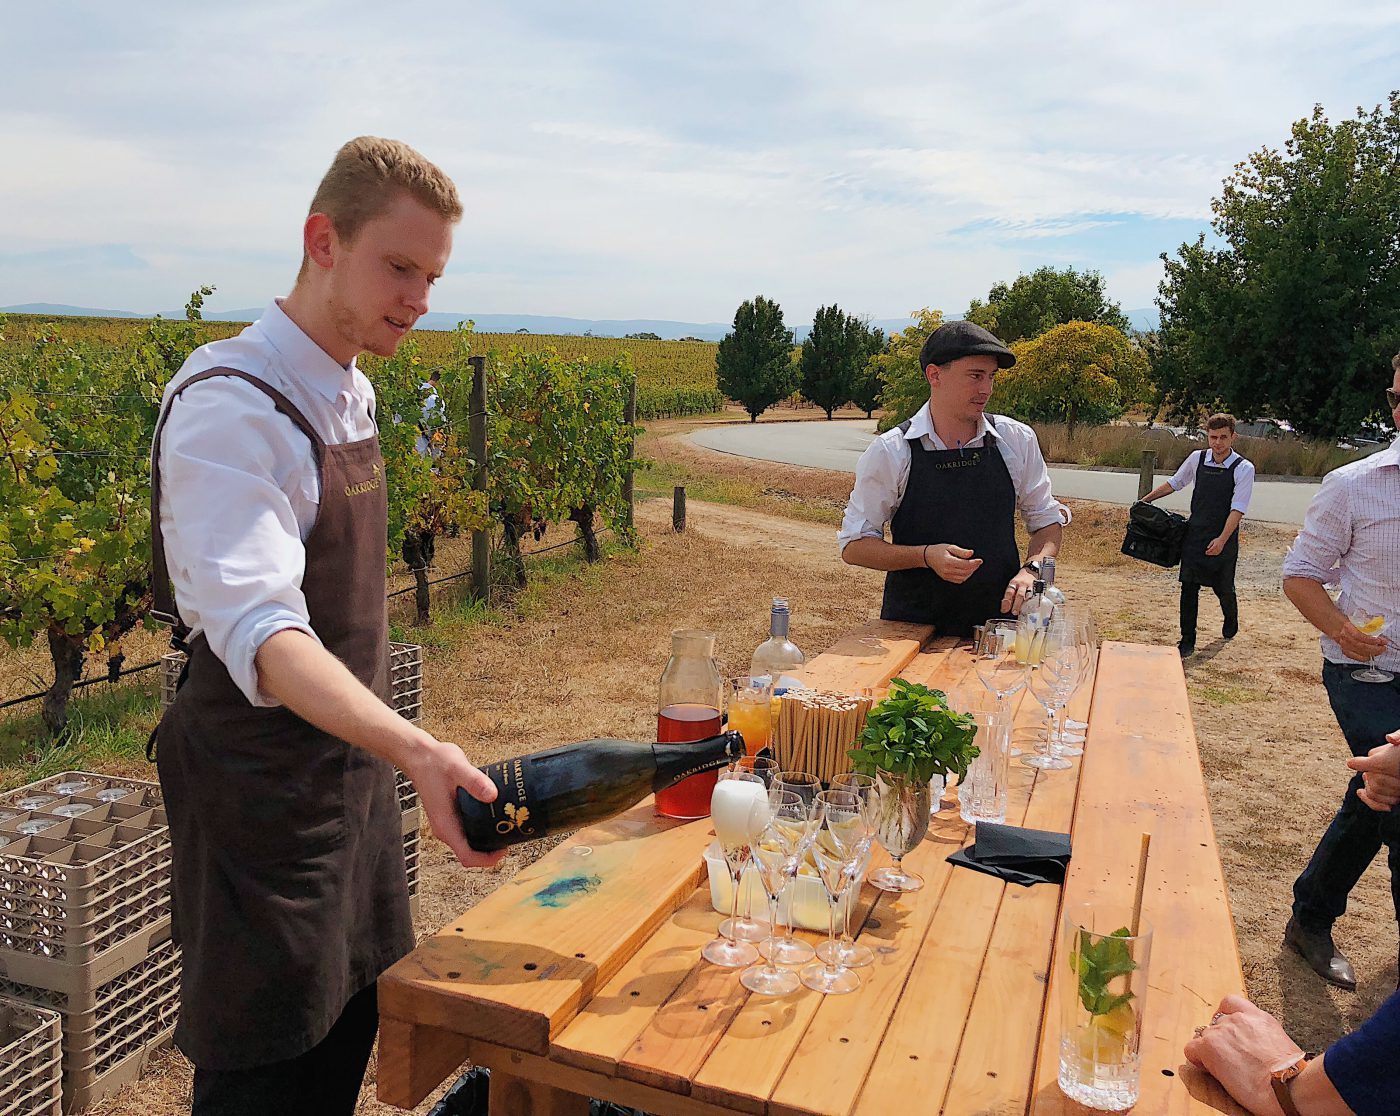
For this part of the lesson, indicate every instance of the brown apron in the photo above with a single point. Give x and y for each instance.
(289, 888)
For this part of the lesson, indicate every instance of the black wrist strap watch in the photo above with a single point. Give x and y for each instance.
(1282, 1083)
(1034, 566)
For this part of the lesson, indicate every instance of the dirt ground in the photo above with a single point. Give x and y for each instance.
(584, 657)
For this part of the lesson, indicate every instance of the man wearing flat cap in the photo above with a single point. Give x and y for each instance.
(949, 482)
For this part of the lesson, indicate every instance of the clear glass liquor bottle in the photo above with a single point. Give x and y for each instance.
(1054, 596)
(777, 654)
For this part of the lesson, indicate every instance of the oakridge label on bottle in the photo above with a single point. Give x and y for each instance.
(577, 784)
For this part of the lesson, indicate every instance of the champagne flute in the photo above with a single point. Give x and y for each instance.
(846, 951)
(745, 928)
(783, 842)
(1086, 634)
(789, 949)
(1370, 624)
(1045, 687)
(739, 810)
(836, 850)
(1067, 676)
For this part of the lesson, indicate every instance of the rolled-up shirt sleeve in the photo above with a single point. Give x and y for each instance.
(1244, 487)
(1034, 495)
(233, 542)
(881, 476)
(1326, 534)
(1185, 472)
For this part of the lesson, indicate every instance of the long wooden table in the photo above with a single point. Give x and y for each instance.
(581, 976)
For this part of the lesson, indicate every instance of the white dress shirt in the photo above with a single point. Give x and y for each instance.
(1351, 536)
(240, 490)
(882, 474)
(1244, 476)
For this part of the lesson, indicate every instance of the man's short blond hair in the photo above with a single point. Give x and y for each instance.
(368, 173)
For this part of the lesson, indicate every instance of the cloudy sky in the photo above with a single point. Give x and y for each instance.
(658, 160)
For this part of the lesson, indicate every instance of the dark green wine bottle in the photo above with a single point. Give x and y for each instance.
(577, 784)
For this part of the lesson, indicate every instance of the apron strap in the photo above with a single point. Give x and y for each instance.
(164, 607)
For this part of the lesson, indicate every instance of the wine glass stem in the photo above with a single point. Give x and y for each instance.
(846, 939)
(833, 962)
(773, 927)
(736, 874)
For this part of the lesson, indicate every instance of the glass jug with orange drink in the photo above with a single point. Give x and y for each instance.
(689, 709)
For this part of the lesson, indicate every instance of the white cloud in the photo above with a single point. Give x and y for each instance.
(630, 160)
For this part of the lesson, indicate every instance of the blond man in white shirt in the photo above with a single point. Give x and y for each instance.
(277, 755)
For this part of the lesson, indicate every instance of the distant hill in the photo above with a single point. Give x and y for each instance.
(1144, 320)
(485, 323)
(60, 311)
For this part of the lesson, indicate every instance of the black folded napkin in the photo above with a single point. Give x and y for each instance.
(1023, 856)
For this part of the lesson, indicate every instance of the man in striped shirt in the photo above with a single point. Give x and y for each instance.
(1350, 537)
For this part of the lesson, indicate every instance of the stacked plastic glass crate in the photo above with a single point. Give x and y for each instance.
(85, 922)
(406, 683)
(31, 1060)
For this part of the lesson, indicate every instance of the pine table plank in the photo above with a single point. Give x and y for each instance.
(1142, 773)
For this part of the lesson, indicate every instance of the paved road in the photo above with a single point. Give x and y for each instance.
(837, 445)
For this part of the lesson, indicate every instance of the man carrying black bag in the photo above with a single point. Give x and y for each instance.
(1222, 483)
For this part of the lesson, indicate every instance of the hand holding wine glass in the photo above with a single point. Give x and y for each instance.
(1372, 629)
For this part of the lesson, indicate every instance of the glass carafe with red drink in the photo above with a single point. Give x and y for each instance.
(689, 709)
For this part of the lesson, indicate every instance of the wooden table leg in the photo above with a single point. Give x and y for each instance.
(516, 1096)
(414, 1059)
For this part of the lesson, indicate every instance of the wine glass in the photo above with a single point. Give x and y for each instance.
(997, 668)
(847, 952)
(1087, 635)
(1046, 687)
(901, 823)
(788, 949)
(739, 810)
(745, 928)
(1370, 624)
(779, 848)
(836, 850)
(1067, 674)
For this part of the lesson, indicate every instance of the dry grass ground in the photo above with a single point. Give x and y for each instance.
(582, 654)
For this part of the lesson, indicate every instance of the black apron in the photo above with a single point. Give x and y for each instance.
(1211, 493)
(290, 894)
(964, 497)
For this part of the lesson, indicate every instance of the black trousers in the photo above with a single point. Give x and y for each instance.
(325, 1080)
(1365, 711)
(1191, 606)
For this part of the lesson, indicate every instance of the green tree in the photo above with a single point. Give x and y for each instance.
(1045, 298)
(1297, 311)
(831, 356)
(753, 364)
(904, 384)
(865, 388)
(1077, 372)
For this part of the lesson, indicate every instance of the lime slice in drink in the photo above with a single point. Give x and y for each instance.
(1105, 1041)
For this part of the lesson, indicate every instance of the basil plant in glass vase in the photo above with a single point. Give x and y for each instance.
(909, 737)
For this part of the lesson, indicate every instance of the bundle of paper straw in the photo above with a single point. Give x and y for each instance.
(815, 730)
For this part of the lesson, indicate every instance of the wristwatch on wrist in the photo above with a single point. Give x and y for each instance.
(1034, 566)
(1282, 1080)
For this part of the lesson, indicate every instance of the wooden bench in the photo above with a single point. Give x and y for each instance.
(581, 976)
